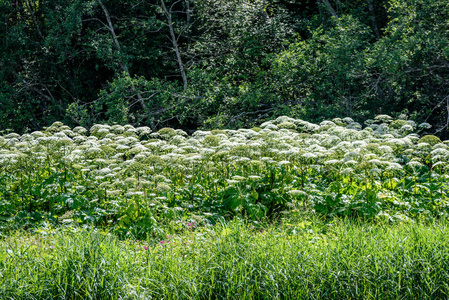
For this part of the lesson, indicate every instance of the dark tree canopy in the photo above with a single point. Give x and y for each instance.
(221, 63)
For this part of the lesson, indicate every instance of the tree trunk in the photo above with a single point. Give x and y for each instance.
(330, 9)
(117, 45)
(188, 16)
(168, 15)
(114, 36)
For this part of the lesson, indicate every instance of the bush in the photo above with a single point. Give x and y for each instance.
(167, 133)
(397, 124)
(430, 139)
(211, 140)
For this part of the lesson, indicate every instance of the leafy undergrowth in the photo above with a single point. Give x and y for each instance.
(305, 259)
(141, 183)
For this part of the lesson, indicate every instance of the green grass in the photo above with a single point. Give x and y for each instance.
(305, 259)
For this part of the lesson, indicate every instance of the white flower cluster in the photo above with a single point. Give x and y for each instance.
(129, 161)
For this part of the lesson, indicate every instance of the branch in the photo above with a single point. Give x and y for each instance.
(245, 113)
(428, 68)
(186, 98)
(174, 3)
(447, 118)
(110, 27)
(95, 19)
(437, 106)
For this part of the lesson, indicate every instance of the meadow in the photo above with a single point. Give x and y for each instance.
(286, 210)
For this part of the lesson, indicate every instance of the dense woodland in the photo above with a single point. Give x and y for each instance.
(221, 63)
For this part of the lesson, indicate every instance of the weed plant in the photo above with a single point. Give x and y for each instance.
(138, 182)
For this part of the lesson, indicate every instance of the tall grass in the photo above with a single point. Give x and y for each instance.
(341, 260)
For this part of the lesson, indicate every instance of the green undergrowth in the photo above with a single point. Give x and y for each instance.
(137, 182)
(300, 259)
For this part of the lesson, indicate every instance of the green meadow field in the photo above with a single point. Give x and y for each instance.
(286, 210)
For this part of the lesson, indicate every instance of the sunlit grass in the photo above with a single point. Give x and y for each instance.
(299, 259)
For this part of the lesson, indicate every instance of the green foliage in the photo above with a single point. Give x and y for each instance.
(430, 139)
(287, 125)
(245, 62)
(325, 71)
(397, 124)
(117, 177)
(414, 45)
(211, 140)
(167, 133)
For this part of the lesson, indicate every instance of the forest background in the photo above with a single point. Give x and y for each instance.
(221, 63)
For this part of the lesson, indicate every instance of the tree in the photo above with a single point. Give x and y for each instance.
(325, 74)
(411, 62)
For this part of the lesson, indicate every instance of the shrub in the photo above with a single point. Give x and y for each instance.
(167, 133)
(211, 140)
(396, 124)
(217, 131)
(430, 139)
(256, 129)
